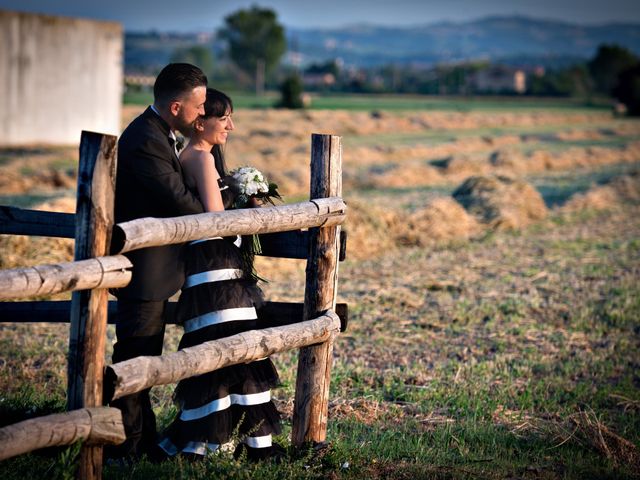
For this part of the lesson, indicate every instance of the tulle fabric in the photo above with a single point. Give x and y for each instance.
(215, 406)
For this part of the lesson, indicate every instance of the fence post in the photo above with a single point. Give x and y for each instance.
(314, 362)
(94, 222)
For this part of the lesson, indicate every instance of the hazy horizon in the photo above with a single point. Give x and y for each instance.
(371, 24)
(149, 15)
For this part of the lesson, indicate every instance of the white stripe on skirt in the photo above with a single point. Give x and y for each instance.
(220, 316)
(212, 276)
(237, 242)
(258, 442)
(224, 403)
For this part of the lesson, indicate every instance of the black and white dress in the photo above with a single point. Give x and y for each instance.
(218, 300)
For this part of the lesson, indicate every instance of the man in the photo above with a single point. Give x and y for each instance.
(149, 183)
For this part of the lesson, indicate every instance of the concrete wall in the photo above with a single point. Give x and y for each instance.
(58, 76)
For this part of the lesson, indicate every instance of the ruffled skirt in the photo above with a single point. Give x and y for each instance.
(217, 301)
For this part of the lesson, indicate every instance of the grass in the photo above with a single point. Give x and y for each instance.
(618, 142)
(508, 356)
(460, 104)
(435, 137)
(396, 102)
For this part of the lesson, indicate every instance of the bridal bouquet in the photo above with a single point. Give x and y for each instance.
(253, 184)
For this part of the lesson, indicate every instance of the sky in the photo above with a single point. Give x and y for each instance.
(207, 15)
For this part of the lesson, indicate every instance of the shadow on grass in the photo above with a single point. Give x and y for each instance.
(556, 190)
(30, 199)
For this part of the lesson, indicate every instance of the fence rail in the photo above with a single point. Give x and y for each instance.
(140, 373)
(110, 271)
(21, 221)
(270, 314)
(153, 232)
(97, 426)
(101, 272)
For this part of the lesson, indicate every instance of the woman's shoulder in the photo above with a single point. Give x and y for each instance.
(197, 159)
(193, 155)
(198, 164)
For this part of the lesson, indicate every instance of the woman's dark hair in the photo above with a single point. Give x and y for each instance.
(175, 80)
(218, 104)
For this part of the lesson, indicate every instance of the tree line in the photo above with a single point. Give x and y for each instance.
(256, 43)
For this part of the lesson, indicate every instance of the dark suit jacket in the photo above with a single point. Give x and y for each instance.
(149, 183)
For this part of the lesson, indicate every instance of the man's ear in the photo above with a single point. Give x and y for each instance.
(174, 108)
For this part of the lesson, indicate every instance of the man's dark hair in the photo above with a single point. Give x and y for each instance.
(175, 80)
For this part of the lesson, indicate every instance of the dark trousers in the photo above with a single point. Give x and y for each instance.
(139, 331)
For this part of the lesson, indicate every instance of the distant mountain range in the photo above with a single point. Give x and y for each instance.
(508, 39)
(511, 39)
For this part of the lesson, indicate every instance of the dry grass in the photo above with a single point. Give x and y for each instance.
(278, 142)
(583, 428)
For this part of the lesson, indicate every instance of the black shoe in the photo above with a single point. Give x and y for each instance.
(156, 455)
(314, 450)
(121, 463)
(278, 453)
(117, 455)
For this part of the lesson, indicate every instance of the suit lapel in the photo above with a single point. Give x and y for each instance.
(165, 129)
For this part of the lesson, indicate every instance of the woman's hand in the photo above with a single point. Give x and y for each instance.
(230, 189)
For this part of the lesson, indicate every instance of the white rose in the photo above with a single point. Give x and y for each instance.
(251, 189)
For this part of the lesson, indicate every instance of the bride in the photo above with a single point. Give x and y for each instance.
(219, 299)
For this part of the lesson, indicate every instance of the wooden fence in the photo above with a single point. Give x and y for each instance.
(311, 326)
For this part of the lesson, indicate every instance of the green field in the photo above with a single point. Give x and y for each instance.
(406, 102)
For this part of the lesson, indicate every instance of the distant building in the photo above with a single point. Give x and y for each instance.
(140, 80)
(318, 79)
(498, 79)
(59, 76)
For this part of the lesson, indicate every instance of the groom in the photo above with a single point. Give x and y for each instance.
(149, 183)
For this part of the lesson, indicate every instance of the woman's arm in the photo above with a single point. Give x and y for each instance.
(201, 168)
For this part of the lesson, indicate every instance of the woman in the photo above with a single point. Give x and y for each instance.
(219, 299)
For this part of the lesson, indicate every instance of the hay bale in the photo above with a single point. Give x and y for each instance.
(410, 174)
(504, 159)
(15, 182)
(442, 219)
(457, 164)
(627, 187)
(501, 202)
(60, 204)
(370, 229)
(622, 189)
(601, 197)
(540, 160)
